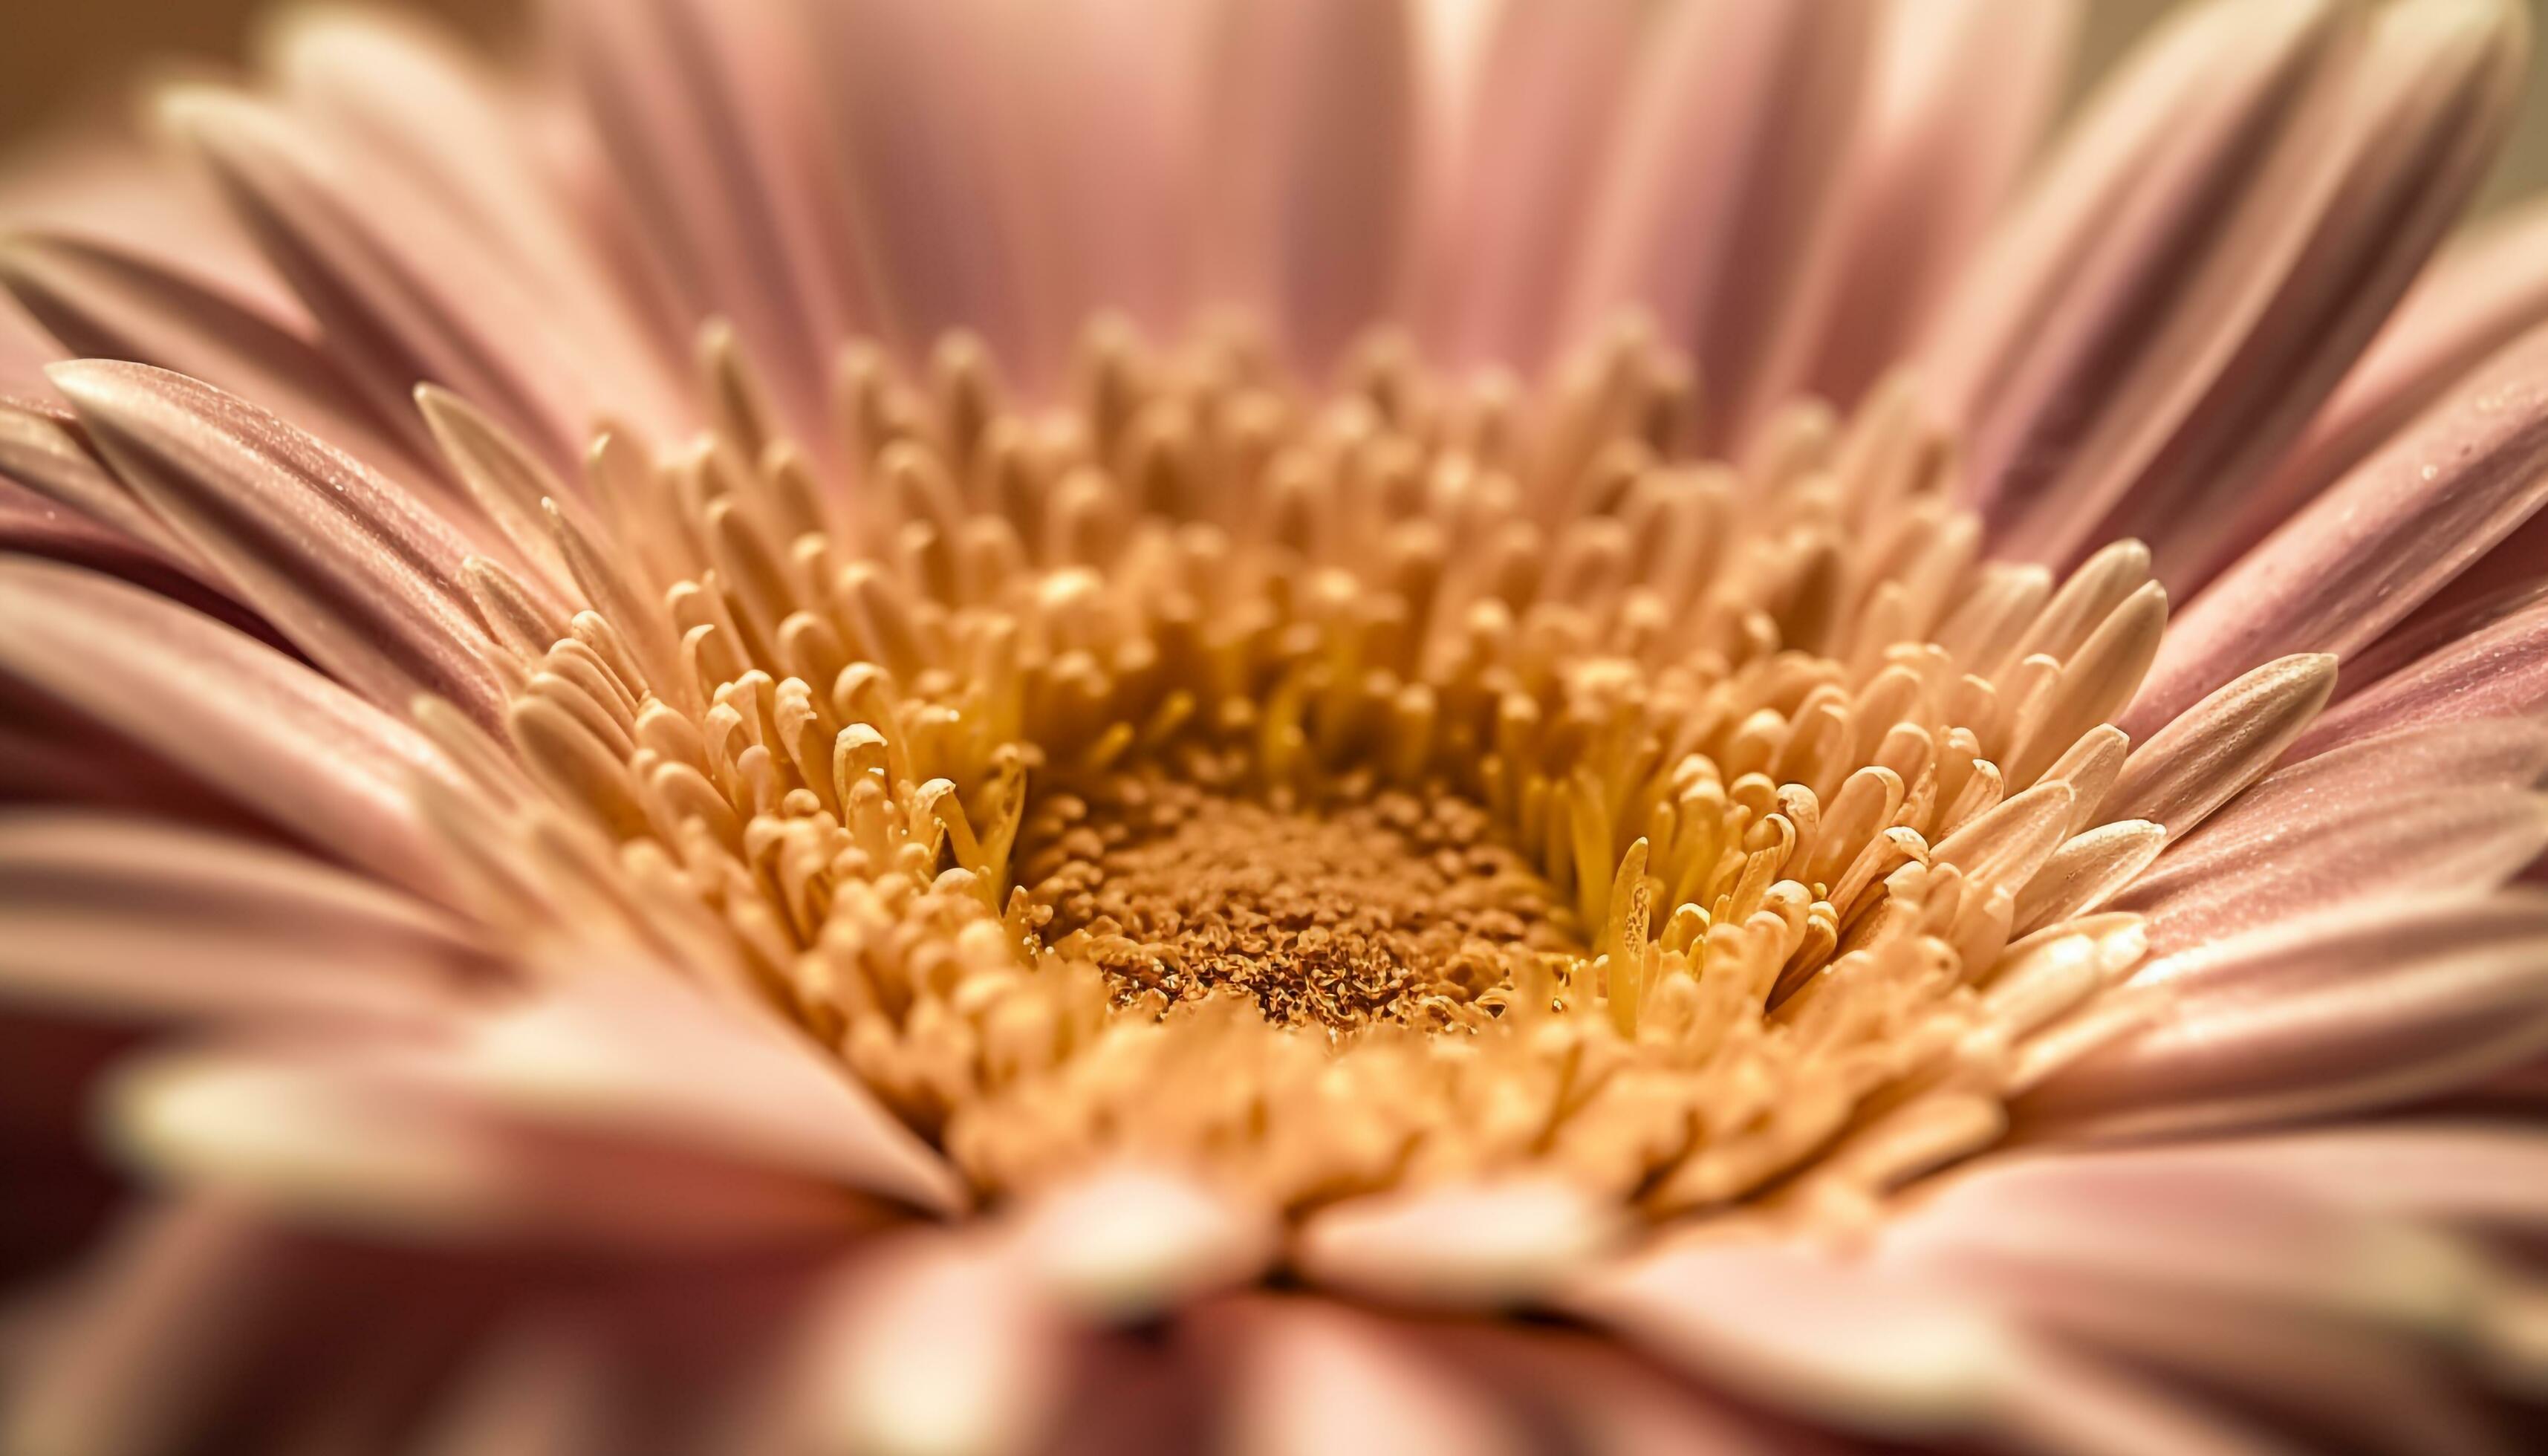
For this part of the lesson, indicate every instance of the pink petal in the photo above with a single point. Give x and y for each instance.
(358, 575)
(1131, 1244)
(403, 289)
(2482, 293)
(2347, 1010)
(2243, 870)
(2360, 557)
(104, 302)
(2486, 1174)
(708, 116)
(932, 183)
(2190, 339)
(272, 735)
(43, 454)
(2498, 670)
(1542, 118)
(1960, 95)
(126, 918)
(1318, 155)
(1711, 214)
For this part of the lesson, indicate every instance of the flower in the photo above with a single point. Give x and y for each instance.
(877, 726)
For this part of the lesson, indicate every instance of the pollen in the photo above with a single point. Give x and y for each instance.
(1422, 778)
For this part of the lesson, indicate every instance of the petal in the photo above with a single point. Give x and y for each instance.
(2360, 557)
(709, 123)
(2498, 670)
(41, 453)
(1316, 1378)
(2355, 1008)
(1807, 1333)
(2246, 870)
(2482, 293)
(1319, 145)
(103, 302)
(930, 1343)
(1481, 1246)
(1961, 94)
(2486, 1174)
(2191, 337)
(2221, 745)
(1728, 166)
(931, 184)
(358, 575)
(128, 917)
(405, 291)
(1130, 1244)
(271, 734)
(1542, 115)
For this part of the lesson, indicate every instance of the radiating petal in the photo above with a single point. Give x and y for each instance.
(1960, 96)
(709, 120)
(1711, 213)
(2226, 231)
(2498, 670)
(130, 918)
(1129, 1243)
(1317, 1378)
(2350, 1009)
(40, 452)
(268, 732)
(2298, 850)
(932, 186)
(358, 575)
(1318, 155)
(2363, 554)
(1807, 1333)
(1541, 116)
(930, 1344)
(2482, 293)
(1478, 1246)
(106, 303)
(403, 290)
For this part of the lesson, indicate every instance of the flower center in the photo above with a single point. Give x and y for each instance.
(1423, 782)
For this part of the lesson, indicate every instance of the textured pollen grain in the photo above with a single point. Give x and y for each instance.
(1398, 907)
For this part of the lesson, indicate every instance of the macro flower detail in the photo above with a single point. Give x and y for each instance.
(862, 725)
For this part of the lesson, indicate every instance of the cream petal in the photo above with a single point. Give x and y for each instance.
(2299, 851)
(1728, 163)
(1317, 143)
(1806, 1331)
(708, 116)
(924, 133)
(361, 577)
(375, 1138)
(1316, 1378)
(2202, 757)
(1127, 1244)
(637, 1054)
(250, 722)
(2086, 872)
(2498, 670)
(403, 289)
(2482, 291)
(1959, 97)
(103, 302)
(930, 1345)
(2206, 334)
(1472, 1247)
(126, 917)
(2352, 1009)
(1541, 118)
(2362, 556)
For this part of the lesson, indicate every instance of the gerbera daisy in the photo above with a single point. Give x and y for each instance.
(955, 726)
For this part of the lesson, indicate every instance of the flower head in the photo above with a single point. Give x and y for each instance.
(873, 725)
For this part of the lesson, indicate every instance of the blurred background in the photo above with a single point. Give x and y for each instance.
(63, 56)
